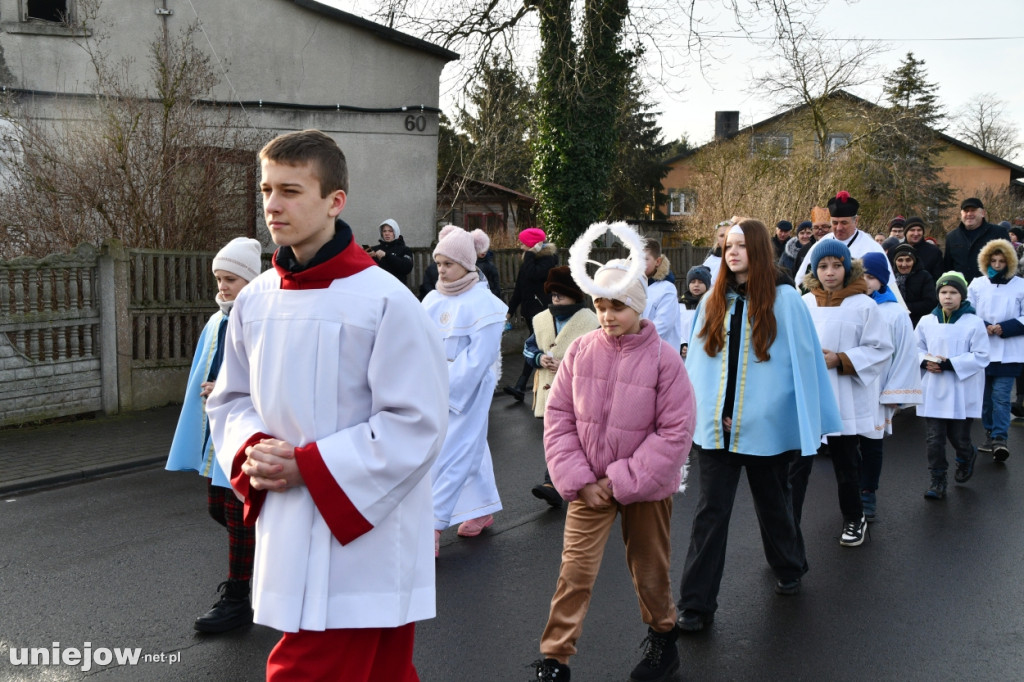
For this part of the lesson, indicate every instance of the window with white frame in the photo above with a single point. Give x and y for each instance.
(681, 202)
(837, 141)
(771, 144)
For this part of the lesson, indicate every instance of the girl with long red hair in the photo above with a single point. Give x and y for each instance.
(755, 353)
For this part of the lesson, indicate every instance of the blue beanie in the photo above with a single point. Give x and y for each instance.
(830, 247)
(700, 272)
(876, 265)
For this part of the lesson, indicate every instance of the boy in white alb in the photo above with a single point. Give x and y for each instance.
(953, 349)
(329, 410)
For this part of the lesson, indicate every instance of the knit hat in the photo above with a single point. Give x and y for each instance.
(532, 236)
(898, 221)
(972, 202)
(805, 225)
(830, 247)
(619, 279)
(631, 290)
(241, 257)
(842, 205)
(394, 227)
(784, 225)
(904, 250)
(913, 221)
(1018, 231)
(560, 281)
(461, 246)
(700, 272)
(889, 243)
(953, 279)
(876, 265)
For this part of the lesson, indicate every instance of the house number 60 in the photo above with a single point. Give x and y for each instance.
(416, 123)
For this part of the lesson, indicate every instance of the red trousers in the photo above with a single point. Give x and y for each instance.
(344, 655)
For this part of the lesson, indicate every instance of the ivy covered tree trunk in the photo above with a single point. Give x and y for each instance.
(579, 92)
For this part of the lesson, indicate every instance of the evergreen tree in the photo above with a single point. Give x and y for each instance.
(902, 169)
(582, 77)
(498, 127)
(636, 190)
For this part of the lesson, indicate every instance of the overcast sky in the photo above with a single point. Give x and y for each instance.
(935, 30)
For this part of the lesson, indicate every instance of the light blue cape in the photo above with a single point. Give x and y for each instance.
(783, 404)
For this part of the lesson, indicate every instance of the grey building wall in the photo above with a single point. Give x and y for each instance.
(285, 54)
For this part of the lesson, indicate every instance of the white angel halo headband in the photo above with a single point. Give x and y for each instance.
(580, 250)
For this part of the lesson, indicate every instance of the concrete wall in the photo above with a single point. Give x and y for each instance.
(275, 51)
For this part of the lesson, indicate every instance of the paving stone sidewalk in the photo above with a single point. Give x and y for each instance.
(34, 457)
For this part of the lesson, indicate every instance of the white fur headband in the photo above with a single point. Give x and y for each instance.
(580, 250)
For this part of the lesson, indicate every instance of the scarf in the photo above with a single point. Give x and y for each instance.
(883, 296)
(901, 282)
(462, 284)
(829, 299)
(565, 311)
(225, 306)
(964, 308)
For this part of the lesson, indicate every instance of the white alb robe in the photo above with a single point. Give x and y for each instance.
(354, 375)
(469, 326)
(856, 328)
(957, 394)
(901, 378)
(662, 300)
(995, 303)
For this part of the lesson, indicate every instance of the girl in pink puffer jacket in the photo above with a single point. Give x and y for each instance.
(617, 429)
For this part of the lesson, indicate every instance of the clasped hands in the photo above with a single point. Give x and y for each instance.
(598, 495)
(270, 465)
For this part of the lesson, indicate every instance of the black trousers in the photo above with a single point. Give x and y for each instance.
(780, 535)
(845, 454)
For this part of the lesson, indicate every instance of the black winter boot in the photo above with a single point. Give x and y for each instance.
(519, 390)
(661, 658)
(231, 611)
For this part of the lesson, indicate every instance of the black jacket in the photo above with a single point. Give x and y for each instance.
(486, 265)
(528, 296)
(929, 258)
(397, 257)
(963, 246)
(919, 293)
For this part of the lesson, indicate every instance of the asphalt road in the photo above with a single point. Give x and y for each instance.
(935, 593)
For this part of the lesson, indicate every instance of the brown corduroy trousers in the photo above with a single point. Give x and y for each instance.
(645, 531)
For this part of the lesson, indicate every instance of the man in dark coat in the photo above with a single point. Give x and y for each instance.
(783, 231)
(965, 242)
(929, 256)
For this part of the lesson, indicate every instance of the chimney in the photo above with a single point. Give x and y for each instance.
(727, 123)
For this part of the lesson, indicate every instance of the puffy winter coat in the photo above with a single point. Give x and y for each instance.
(621, 407)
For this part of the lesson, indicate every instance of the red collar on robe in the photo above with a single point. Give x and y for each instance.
(347, 263)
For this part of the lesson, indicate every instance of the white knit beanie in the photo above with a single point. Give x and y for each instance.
(461, 246)
(615, 274)
(241, 257)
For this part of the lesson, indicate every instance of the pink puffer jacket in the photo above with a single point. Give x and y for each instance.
(622, 408)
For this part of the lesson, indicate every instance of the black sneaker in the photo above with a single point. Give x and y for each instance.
(550, 670)
(788, 587)
(545, 491)
(853, 532)
(964, 468)
(693, 621)
(661, 658)
(937, 489)
(987, 445)
(1017, 410)
(233, 610)
(999, 450)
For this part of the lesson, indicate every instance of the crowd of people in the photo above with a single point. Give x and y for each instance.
(342, 423)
